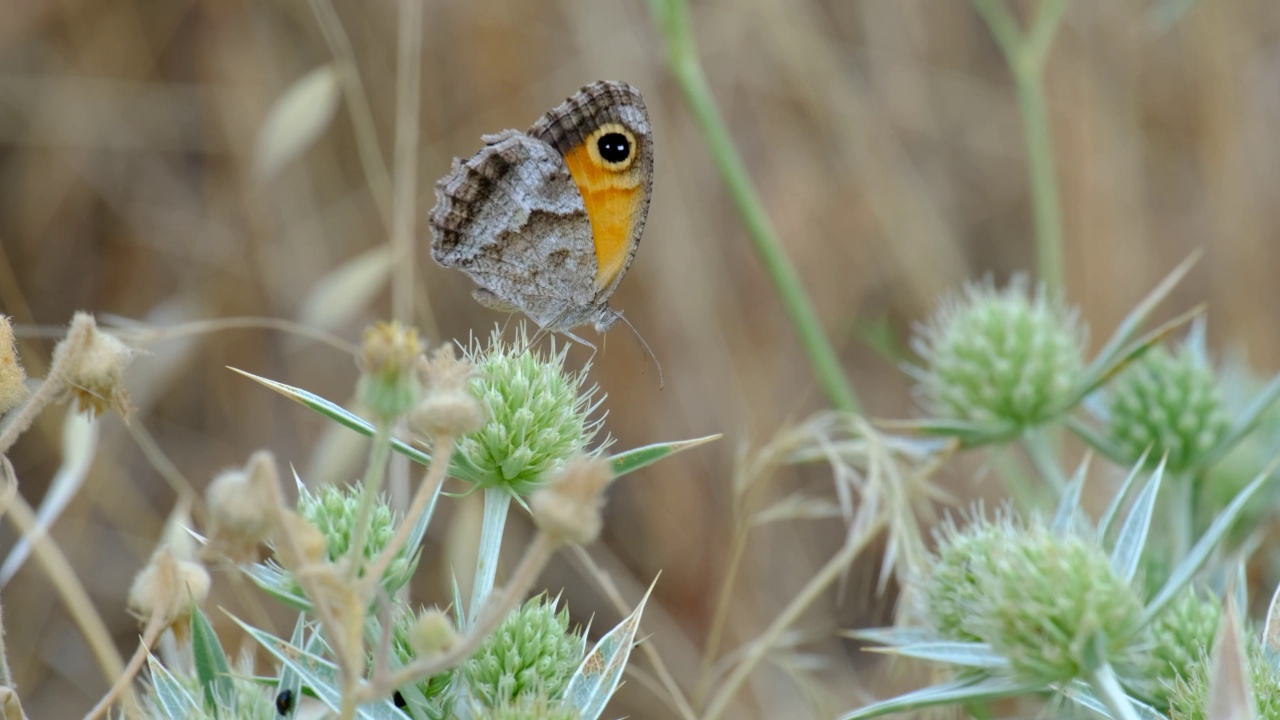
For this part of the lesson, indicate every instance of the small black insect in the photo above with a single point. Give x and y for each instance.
(284, 702)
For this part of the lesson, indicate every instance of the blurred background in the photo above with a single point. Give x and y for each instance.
(883, 135)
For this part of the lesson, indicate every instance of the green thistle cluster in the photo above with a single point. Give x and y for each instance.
(1181, 636)
(1048, 602)
(333, 510)
(538, 416)
(531, 655)
(953, 590)
(1000, 356)
(1169, 403)
(1190, 695)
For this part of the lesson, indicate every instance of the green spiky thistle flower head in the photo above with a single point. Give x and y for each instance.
(1047, 601)
(1181, 638)
(333, 510)
(1189, 697)
(1171, 403)
(1000, 356)
(539, 415)
(532, 653)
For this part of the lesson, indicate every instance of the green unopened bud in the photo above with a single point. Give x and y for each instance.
(1189, 698)
(533, 708)
(532, 653)
(1181, 638)
(389, 384)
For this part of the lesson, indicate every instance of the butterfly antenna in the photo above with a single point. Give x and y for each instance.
(647, 351)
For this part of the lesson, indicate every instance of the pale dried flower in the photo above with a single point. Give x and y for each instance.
(242, 507)
(298, 543)
(169, 587)
(432, 633)
(568, 508)
(13, 389)
(95, 372)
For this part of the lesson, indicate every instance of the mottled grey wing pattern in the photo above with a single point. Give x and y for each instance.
(512, 218)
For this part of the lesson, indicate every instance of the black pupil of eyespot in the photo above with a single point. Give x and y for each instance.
(614, 147)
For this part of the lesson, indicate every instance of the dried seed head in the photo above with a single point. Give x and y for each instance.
(13, 389)
(569, 507)
(95, 368)
(298, 543)
(169, 587)
(432, 633)
(242, 507)
(449, 408)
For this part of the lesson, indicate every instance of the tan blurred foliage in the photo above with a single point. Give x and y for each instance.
(882, 134)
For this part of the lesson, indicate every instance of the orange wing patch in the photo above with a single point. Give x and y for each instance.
(612, 193)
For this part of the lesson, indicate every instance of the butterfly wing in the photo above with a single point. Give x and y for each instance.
(603, 134)
(513, 219)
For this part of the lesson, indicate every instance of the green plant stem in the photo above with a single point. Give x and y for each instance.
(1104, 683)
(1045, 207)
(1043, 457)
(497, 503)
(373, 475)
(408, 87)
(422, 499)
(672, 17)
(1026, 55)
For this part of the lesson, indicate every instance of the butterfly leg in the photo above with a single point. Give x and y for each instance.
(579, 340)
